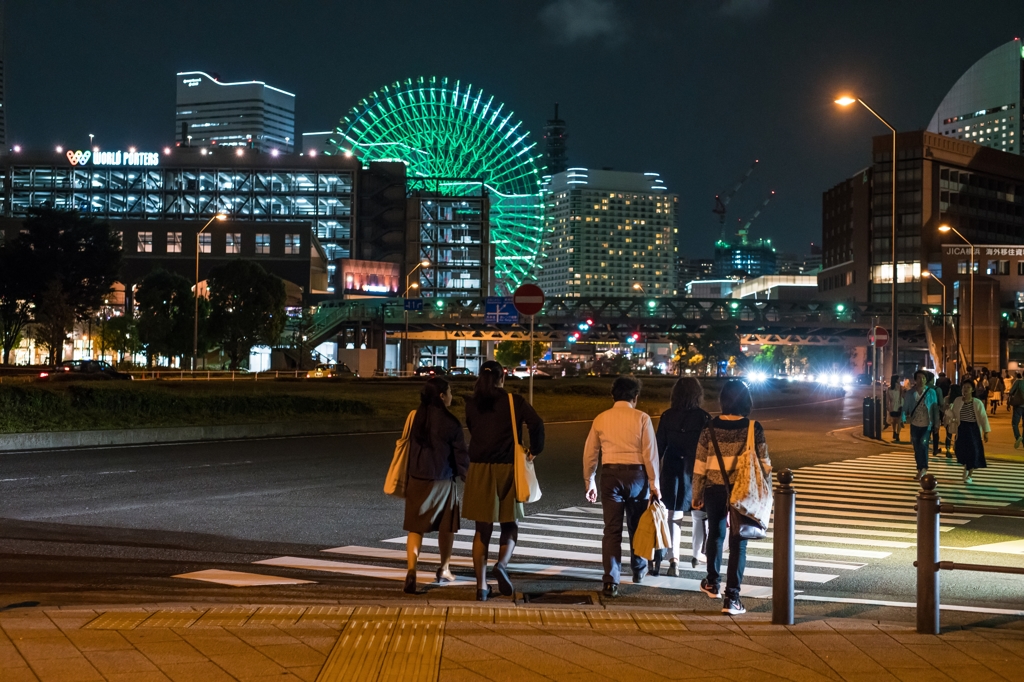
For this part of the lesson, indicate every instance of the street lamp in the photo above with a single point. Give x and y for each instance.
(949, 228)
(195, 319)
(639, 287)
(425, 263)
(926, 273)
(846, 101)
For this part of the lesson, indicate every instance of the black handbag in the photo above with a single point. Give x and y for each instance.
(746, 527)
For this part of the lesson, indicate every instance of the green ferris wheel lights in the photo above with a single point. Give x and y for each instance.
(448, 130)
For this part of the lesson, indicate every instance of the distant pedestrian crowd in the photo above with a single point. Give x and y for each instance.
(713, 471)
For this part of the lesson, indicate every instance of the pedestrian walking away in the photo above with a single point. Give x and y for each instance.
(947, 417)
(490, 494)
(437, 457)
(936, 412)
(622, 443)
(894, 405)
(919, 409)
(678, 432)
(731, 431)
(971, 429)
(1015, 399)
(995, 390)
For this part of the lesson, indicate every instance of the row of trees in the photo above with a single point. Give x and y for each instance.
(60, 269)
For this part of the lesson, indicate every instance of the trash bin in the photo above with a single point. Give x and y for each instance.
(870, 418)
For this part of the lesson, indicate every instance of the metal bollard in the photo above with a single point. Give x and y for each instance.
(928, 503)
(783, 550)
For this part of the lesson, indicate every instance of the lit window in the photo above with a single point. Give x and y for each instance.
(145, 243)
(233, 242)
(205, 241)
(263, 244)
(174, 242)
(291, 244)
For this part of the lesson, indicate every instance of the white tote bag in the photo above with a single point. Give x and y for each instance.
(394, 484)
(527, 485)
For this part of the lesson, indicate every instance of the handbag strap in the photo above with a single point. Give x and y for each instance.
(721, 462)
(512, 411)
(406, 432)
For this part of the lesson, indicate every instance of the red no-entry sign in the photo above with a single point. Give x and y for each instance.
(878, 336)
(528, 299)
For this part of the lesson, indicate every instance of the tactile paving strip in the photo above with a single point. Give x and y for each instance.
(564, 618)
(359, 652)
(518, 616)
(276, 615)
(225, 616)
(470, 614)
(657, 622)
(611, 620)
(171, 619)
(117, 620)
(414, 654)
(334, 616)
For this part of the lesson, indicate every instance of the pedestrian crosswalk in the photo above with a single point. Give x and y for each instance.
(849, 514)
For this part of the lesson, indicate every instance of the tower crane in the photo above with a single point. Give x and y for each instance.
(745, 230)
(722, 201)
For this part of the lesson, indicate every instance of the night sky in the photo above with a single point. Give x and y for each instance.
(692, 89)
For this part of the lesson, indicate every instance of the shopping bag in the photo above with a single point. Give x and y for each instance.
(527, 485)
(394, 484)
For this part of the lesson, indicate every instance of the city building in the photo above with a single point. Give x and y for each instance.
(845, 234)
(689, 269)
(789, 263)
(248, 114)
(193, 184)
(744, 258)
(3, 80)
(556, 158)
(984, 106)
(778, 288)
(317, 142)
(606, 232)
(711, 288)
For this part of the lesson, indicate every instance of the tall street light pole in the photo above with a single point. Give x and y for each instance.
(415, 285)
(949, 228)
(195, 318)
(647, 343)
(926, 273)
(846, 101)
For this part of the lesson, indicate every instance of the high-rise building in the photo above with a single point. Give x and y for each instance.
(608, 230)
(246, 114)
(3, 89)
(746, 258)
(984, 106)
(555, 156)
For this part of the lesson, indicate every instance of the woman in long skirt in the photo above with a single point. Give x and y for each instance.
(971, 429)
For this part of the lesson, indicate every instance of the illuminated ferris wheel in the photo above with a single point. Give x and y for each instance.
(450, 130)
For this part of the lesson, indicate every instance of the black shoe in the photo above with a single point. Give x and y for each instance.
(694, 562)
(504, 582)
(713, 591)
(656, 568)
(673, 570)
(734, 607)
(610, 590)
(638, 576)
(484, 595)
(410, 582)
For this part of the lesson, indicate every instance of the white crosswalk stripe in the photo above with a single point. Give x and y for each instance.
(849, 514)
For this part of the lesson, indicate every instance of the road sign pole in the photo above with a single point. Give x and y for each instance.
(531, 358)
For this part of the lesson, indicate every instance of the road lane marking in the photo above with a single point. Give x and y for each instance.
(240, 579)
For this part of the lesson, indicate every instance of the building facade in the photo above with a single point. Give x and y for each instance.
(845, 234)
(984, 106)
(606, 231)
(754, 258)
(248, 114)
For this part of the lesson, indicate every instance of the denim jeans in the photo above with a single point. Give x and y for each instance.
(623, 490)
(919, 438)
(1018, 414)
(716, 506)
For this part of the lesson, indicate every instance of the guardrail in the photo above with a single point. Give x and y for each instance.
(929, 511)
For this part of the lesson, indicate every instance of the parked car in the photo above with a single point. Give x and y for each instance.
(524, 373)
(461, 372)
(84, 370)
(431, 371)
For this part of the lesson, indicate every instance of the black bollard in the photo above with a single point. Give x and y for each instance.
(783, 551)
(928, 503)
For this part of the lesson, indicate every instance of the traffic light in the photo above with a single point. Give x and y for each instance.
(574, 337)
(584, 326)
(633, 338)
(840, 307)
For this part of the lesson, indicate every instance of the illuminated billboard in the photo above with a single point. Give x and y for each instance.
(368, 277)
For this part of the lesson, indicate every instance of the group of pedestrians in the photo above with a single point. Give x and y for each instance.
(686, 463)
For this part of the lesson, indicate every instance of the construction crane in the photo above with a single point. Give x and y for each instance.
(745, 230)
(722, 201)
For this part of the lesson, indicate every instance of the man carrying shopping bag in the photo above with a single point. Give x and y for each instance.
(623, 442)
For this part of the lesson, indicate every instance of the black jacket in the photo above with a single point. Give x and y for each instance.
(678, 433)
(445, 456)
(491, 430)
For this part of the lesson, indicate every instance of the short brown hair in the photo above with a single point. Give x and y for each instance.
(687, 393)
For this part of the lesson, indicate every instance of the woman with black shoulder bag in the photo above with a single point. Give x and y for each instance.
(719, 450)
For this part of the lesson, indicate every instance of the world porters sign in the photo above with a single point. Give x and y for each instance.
(116, 158)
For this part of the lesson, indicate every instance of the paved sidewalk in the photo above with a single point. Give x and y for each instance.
(182, 642)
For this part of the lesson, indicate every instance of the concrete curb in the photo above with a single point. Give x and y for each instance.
(61, 440)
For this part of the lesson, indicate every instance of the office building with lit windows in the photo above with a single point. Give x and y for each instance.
(247, 114)
(984, 106)
(606, 231)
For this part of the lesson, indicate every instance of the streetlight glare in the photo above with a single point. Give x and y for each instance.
(425, 263)
(221, 216)
(414, 285)
(926, 273)
(846, 101)
(944, 228)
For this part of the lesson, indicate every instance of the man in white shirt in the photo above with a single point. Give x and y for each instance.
(624, 442)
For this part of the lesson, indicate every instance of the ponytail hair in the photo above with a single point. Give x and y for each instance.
(488, 390)
(430, 396)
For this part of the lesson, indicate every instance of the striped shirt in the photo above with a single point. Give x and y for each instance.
(621, 435)
(732, 439)
(967, 413)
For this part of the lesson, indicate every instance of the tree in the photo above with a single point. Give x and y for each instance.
(166, 308)
(15, 307)
(512, 353)
(719, 343)
(121, 336)
(54, 317)
(247, 308)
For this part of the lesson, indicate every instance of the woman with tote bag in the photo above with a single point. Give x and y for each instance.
(970, 427)
(495, 420)
(437, 456)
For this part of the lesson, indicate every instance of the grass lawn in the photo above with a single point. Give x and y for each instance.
(140, 404)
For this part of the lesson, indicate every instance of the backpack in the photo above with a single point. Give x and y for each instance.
(1016, 395)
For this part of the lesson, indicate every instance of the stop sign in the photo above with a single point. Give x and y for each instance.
(879, 336)
(528, 299)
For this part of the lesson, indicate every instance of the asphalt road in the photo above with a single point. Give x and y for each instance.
(115, 524)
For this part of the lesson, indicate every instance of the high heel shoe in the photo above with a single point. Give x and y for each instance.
(444, 577)
(410, 582)
(484, 595)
